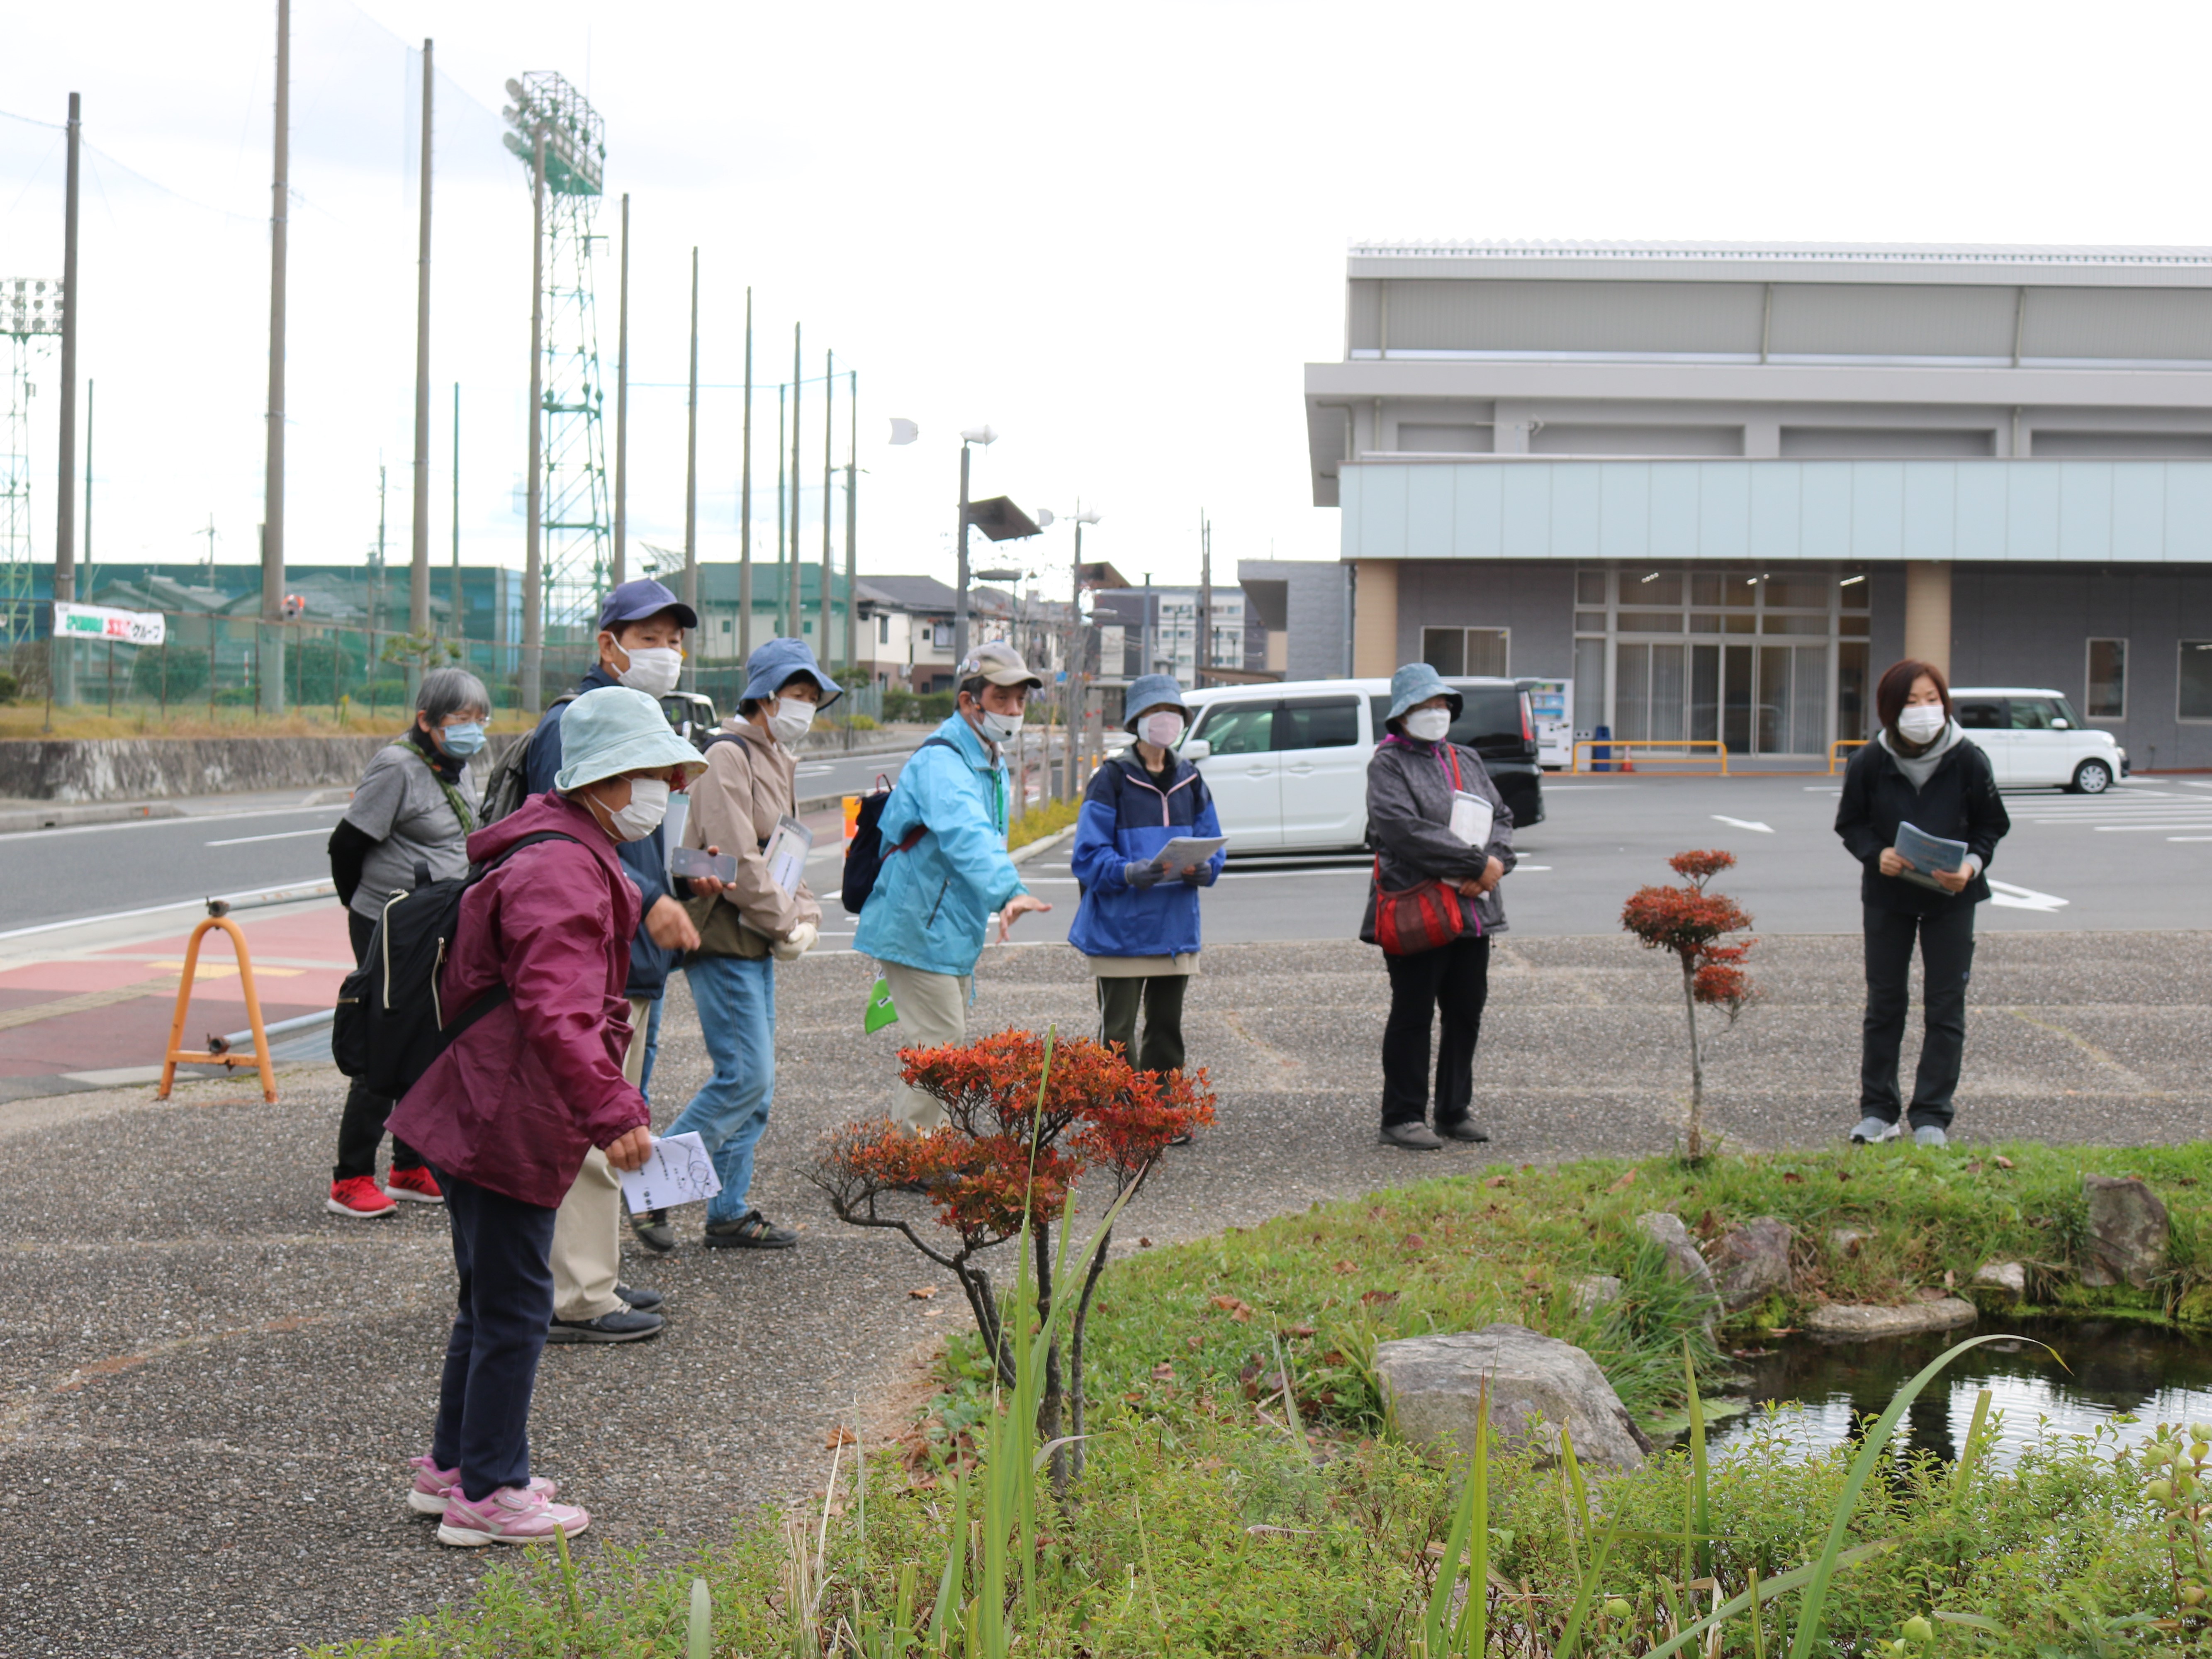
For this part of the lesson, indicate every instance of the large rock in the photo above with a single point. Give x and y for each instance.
(1595, 1292)
(2127, 1232)
(1752, 1263)
(1860, 1320)
(2009, 1278)
(1538, 1384)
(1666, 1232)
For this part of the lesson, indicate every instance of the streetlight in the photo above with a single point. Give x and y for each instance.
(998, 518)
(1077, 702)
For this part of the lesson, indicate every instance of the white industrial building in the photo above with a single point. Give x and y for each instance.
(1722, 485)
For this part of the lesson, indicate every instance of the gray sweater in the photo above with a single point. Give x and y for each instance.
(1409, 795)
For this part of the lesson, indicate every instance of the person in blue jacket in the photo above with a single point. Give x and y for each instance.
(925, 920)
(1138, 922)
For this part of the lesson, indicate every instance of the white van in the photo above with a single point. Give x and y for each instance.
(2033, 736)
(1286, 761)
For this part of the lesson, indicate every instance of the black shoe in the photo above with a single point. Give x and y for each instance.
(640, 1300)
(1415, 1137)
(750, 1232)
(623, 1325)
(651, 1230)
(1182, 1140)
(1462, 1128)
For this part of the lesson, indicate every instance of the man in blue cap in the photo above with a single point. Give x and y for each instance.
(640, 639)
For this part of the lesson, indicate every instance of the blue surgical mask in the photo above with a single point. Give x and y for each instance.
(462, 738)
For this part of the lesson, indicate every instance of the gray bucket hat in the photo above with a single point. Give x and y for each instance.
(613, 730)
(1416, 682)
(1151, 691)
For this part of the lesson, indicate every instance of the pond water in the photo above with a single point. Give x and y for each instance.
(2113, 1371)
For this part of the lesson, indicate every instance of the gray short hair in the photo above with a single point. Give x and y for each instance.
(446, 691)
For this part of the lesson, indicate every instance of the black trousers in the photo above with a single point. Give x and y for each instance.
(361, 1125)
(1946, 957)
(501, 1250)
(1160, 996)
(1453, 980)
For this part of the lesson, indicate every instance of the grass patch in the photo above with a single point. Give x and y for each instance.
(1205, 1526)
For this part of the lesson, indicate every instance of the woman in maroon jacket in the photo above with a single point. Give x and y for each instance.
(507, 1113)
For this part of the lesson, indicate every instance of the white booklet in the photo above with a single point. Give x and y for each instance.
(677, 1171)
(785, 853)
(1923, 853)
(1188, 849)
(1472, 817)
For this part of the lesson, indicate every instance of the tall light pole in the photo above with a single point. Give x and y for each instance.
(691, 482)
(61, 657)
(987, 437)
(851, 533)
(620, 562)
(533, 550)
(1078, 696)
(272, 513)
(828, 440)
(418, 563)
(745, 503)
(797, 561)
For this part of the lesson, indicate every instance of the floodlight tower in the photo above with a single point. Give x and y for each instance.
(30, 311)
(574, 517)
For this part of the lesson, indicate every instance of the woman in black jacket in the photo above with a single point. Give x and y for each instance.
(1920, 770)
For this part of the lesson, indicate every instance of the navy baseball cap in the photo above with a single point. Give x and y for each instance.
(645, 597)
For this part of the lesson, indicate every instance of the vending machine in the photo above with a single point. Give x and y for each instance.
(1552, 712)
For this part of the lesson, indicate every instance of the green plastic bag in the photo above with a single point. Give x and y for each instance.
(882, 1010)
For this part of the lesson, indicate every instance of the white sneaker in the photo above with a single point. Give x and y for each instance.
(1873, 1131)
(1928, 1135)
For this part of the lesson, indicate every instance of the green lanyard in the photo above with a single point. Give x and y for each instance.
(461, 813)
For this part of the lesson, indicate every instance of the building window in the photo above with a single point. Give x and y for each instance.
(2196, 699)
(2108, 679)
(940, 636)
(1480, 652)
(883, 631)
(725, 624)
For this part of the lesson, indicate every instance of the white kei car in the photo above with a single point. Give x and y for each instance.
(2033, 736)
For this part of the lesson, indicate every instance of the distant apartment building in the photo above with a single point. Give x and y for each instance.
(1721, 486)
(1155, 630)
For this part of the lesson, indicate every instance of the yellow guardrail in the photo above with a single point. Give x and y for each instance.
(1624, 754)
(1836, 751)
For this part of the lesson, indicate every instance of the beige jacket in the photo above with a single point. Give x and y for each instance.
(749, 786)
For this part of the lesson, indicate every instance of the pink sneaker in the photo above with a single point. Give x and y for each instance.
(433, 1487)
(508, 1516)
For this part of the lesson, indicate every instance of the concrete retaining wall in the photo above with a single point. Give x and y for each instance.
(152, 768)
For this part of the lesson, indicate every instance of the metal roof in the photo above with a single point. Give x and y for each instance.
(1843, 254)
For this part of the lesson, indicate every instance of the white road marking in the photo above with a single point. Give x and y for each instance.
(282, 835)
(1520, 869)
(2137, 829)
(188, 821)
(1744, 824)
(2004, 895)
(2189, 837)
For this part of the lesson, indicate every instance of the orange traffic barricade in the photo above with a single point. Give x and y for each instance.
(217, 1052)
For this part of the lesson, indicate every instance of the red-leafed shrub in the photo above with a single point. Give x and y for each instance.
(1691, 922)
(1027, 1119)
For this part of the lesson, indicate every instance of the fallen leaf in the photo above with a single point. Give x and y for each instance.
(840, 1435)
(1791, 1178)
(1134, 1399)
(1620, 1186)
(1300, 1330)
(1163, 1372)
(1781, 1330)
(1974, 1168)
(1371, 1298)
(1950, 1279)
(1347, 1266)
(2002, 1161)
(1238, 1310)
(1415, 1242)
(1143, 1244)
(924, 1293)
(1842, 1175)
(1193, 1343)
(1928, 1293)
(1498, 1181)
(1751, 1353)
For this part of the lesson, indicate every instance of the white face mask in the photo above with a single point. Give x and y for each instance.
(1001, 728)
(789, 721)
(1429, 725)
(1162, 729)
(648, 804)
(1922, 722)
(654, 669)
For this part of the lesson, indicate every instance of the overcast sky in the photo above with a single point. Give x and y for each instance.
(1113, 232)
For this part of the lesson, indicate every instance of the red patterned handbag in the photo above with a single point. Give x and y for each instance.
(1411, 919)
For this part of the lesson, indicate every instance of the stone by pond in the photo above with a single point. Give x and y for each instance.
(1433, 1385)
(2118, 1374)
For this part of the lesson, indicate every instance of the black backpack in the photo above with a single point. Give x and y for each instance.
(864, 859)
(389, 1029)
(508, 785)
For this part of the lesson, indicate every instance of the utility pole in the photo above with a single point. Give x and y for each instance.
(829, 438)
(271, 677)
(534, 568)
(1078, 718)
(1203, 658)
(960, 574)
(376, 584)
(691, 484)
(461, 626)
(797, 599)
(745, 503)
(851, 532)
(621, 396)
(86, 561)
(418, 564)
(782, 564)
(61, 656)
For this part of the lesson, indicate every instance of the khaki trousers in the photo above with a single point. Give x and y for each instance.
(588, 1227)
(932, 1009)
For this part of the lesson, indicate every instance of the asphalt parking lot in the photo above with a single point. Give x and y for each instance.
(2137, 857)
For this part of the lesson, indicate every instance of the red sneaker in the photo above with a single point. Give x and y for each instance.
(360, 1197)
(416, 1185)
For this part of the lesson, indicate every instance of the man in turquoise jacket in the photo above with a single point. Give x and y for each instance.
(926, 922)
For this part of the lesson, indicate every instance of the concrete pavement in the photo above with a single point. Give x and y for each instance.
(208, 1386)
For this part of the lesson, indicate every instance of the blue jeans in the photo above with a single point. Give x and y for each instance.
(736, 998)
(652, 1050)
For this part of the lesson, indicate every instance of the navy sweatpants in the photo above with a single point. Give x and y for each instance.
(500, 1248)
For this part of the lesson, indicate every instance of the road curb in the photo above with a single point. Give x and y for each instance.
(1024, 855)
(61, 818)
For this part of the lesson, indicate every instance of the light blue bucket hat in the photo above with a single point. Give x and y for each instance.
(1416, 682)
(777, 663)
(616, 729)
(1149, 691)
